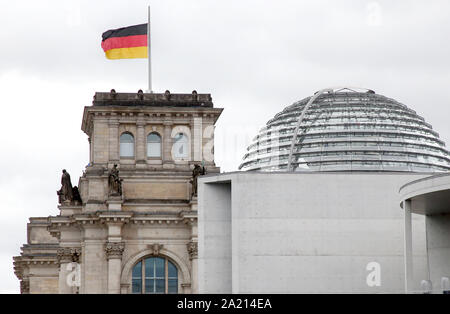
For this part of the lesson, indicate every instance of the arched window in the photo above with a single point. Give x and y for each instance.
(154, 275)
(153, 145)
(181, 148)
(126, 145)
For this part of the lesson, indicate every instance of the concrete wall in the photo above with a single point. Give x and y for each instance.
(304, 233)
(214, 243)
(438, 236)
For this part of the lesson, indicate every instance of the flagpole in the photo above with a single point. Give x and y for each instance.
(149, 54)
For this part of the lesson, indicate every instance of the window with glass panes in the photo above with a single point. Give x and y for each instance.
(153, 145)
(154, 275)
(126, 145)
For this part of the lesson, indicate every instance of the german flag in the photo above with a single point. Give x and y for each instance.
(126, 42)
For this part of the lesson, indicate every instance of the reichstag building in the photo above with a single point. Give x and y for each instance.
(342, 192)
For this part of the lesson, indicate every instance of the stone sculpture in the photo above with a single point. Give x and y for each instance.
(65, 194)
(114, 182)
(198, 171)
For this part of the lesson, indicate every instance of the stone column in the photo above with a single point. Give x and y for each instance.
(167, 143)
(114, 251)
(69, 272)
(196, 139)
(140, 143)
(409, 277)
(90, 151)
(192, 248)
(114, 141)
(100, 139)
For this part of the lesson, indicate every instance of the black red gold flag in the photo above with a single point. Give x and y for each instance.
(126, 42)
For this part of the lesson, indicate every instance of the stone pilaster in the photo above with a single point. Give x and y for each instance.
(90, 150)
(113, 141)
(68, 255)
(65, 257)
(167, 143)
(140, 143)
(192, 248)
(196, 139)
(114, 251)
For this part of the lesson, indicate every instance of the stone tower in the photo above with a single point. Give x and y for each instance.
(134, 227)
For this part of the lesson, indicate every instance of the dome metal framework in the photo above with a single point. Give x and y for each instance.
(347, 129)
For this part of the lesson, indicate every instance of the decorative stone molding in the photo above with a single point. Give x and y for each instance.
(156, 248)
(124, 288)
(154, 221)
(55, 233)
(25, 286)
(189, 217)
(68, 255)
(19, 266)
(111, 218)
(115, 203)
(191, 221)
(192, 248)
(114, 250)
(183, 266)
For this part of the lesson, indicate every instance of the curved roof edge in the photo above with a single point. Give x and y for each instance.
(429, 195)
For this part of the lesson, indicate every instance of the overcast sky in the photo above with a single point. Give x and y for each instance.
(255, 57)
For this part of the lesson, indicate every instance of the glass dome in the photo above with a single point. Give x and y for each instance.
(347, 130)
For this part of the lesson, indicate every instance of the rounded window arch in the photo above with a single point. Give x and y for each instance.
(181, 146)
(154, 275)
(154, 145)
(126, 145)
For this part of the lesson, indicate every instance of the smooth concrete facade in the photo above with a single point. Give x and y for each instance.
(438, 248)
(305, 233)
(430, 197)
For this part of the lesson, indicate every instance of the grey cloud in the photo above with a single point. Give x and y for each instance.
(254, 57)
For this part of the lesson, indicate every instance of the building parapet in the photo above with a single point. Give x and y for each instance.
(152, 99)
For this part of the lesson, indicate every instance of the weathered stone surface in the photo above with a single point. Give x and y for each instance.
(108, 234)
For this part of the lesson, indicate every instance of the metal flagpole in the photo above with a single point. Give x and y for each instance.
(149, 54)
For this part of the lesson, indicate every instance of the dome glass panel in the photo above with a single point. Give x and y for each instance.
(347, 130)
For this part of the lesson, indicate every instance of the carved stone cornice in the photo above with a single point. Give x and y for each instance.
(189, 217)
(119, 217)
(57, 223)
(60, 221)
(55, 233)
(19, 267)
(68, 255)
(192, 248)
(155, 221)
(114, 250)
(141, 123)
(22, 264)
(25, 286)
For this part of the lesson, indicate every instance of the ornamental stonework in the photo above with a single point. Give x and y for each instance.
(25, 286)
(192, 248)
(156, 247)
(114, 249)
(132, 204)
(68, 255)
